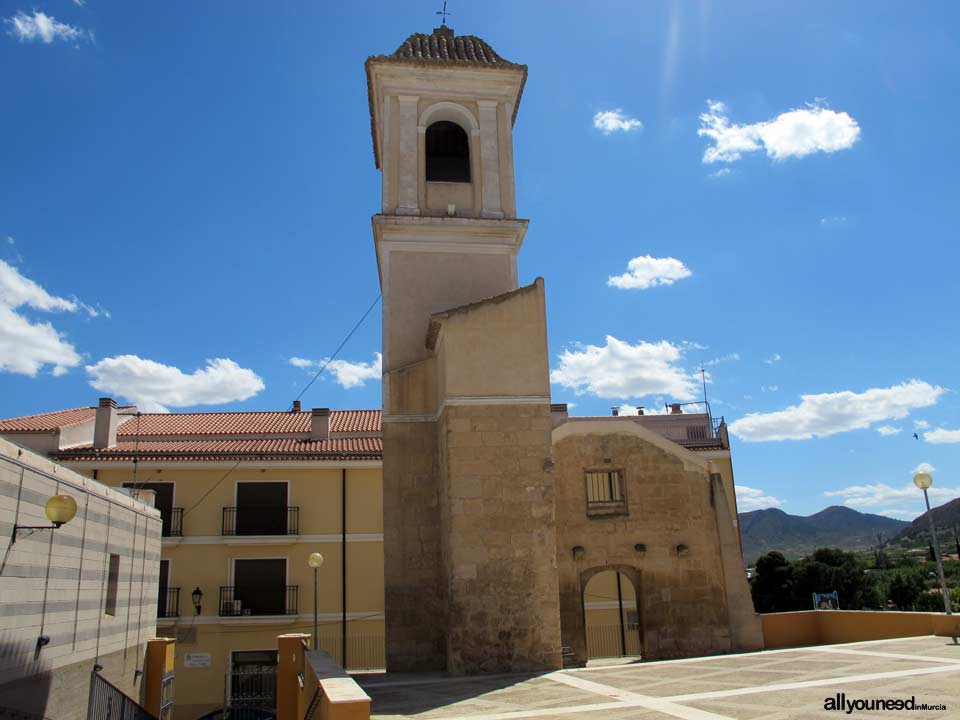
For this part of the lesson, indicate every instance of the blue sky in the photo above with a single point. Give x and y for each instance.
(186, 191)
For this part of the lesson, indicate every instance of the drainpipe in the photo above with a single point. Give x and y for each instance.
(343, 566)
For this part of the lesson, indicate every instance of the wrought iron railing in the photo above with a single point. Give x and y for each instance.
(172, 522)
(168, 602)
(238, 601)
(282, 520)
(107, 702)
(252, 688)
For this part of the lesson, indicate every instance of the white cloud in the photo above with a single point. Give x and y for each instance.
(827, 414)
(871, 496)
(42, 27)
(773, 359)
(921, 425)
(722, 172)
(656, 408)
(942, 436)
(10, 240)
(887, 430)
(25, 346)
(154, 386)
(923, 467)
(610, 121)
(645, 272)
(795, 133)
(749, 498)
(769, 388)
(730, 357)
(833, 220)
(347, 374)
(619, 370)
(80, 3)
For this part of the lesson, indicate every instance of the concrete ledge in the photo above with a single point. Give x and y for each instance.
(826, 627)
(341, 697)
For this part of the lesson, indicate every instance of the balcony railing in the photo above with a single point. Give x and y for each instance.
(237, 601)
(168, 602)
(282, 520)
(172, 522)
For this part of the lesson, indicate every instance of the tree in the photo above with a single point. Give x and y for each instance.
(772, 582)
(905, 587)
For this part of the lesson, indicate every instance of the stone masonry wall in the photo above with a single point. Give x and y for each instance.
(499, 539)
(682, 599)
(413, 588)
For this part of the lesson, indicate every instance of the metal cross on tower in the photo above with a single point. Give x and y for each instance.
(443, 14)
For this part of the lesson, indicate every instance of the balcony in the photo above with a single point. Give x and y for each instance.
(238, 521)
(168, 602)
(243, 601)
(172, 519)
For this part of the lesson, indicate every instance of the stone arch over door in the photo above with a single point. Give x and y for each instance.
(573, 625)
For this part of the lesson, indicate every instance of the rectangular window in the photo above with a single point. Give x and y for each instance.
(113, 583)
(605, 495)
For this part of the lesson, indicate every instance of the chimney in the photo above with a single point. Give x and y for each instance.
(558, 414)
(675, 409)
(105, 424)
(639, 409)
(320, 424)
(615, 411)
(296, 406)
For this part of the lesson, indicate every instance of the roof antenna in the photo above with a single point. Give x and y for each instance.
(703, 377)
(443, 14)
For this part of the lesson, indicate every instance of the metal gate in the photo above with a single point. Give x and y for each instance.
(108, 702)
(253, 688)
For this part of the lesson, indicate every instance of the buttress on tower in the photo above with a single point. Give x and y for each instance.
(471, 579)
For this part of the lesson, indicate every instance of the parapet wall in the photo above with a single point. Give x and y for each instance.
(828, 627)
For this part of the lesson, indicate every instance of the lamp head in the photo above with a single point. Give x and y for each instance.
(923, 480)
(60, 509)
(196, 596)
(315, 560)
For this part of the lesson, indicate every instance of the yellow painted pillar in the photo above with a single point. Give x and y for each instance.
(159, 665)
(289, 663)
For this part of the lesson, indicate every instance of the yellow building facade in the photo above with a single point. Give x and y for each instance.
(245, 499)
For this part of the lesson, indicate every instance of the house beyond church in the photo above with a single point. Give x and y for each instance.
(498, 508)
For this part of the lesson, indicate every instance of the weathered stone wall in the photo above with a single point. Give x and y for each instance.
(415, 610)
(499, 538)
(683, 596)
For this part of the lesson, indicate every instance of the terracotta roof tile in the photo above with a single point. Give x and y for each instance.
(183, 450)
(246, 423)
(49, 420)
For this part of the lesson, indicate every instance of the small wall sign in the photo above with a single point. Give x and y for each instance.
(195, 660)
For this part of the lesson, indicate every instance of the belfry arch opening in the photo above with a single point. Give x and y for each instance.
(611, 617)
(447, 148)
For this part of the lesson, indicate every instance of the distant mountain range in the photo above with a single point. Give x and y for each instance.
(946, 518)
(794, 535)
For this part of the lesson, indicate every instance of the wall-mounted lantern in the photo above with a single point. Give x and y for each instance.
(578, 552)
(196, 596)
(60, 509)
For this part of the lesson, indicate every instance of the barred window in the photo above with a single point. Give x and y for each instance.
(605, 491)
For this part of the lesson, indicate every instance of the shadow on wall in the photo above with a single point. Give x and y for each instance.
(394, 697)
(27, 697)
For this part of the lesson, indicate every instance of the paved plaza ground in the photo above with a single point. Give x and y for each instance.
(771, 685)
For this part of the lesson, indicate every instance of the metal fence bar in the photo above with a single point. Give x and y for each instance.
(108, 702)
(282, 600)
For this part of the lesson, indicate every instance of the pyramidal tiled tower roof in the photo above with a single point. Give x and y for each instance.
(443, 46)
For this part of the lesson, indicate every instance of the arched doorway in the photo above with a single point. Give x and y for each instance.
(611, 617)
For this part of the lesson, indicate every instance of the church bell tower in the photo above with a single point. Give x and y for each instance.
(469, 540)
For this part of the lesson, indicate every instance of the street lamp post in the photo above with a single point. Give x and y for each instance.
(315, 561)
(923, 481)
